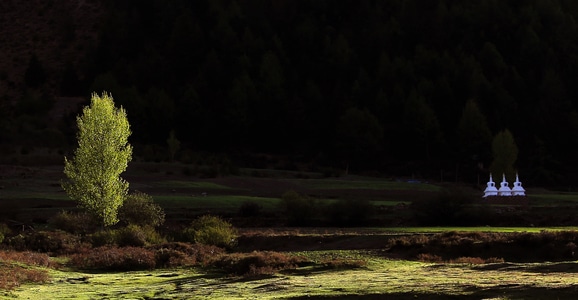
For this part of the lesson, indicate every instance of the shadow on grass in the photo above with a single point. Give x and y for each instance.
(501, 292)
(558, 267)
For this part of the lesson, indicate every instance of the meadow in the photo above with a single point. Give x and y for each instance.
(405, 261)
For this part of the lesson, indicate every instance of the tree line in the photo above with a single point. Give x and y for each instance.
(405, 87)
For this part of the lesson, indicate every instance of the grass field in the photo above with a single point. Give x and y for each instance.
(379, 279)
(34, 193)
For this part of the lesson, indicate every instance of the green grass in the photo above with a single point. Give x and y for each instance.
(403, 230)
(380, 279)
(225, 203)
(553, 199)
(367, 184)
(190, 184)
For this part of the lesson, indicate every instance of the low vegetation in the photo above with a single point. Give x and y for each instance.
(185, 242)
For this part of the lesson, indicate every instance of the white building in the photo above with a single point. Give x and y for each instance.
(518, 190)
(504, 191)
(491, 189)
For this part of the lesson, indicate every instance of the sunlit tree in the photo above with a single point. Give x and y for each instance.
(102, 155)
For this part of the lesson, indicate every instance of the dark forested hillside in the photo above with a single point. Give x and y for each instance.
(404, 87)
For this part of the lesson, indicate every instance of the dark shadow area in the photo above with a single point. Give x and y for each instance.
(560, 267)
(506, 291)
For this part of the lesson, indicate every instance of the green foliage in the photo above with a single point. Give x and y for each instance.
(4, 230)
(137, 236)
(140, 209)
(74, 222)
(102, 155)
(211, 230)
(132, 235)
(53, 242)
(300, 209)
(505, 153)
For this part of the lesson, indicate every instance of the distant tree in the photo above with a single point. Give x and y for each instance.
(422, 124)
(474, 135)
(102, 155)
(359, 135)
(174, 145)
(505, 153)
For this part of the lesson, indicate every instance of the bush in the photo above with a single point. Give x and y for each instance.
(139, 209)
(54, 242)
(448, 208)
(115, 259)
(184, 254)
(14, 275)
(300, 209)
(132, 235)
(27, 257)
(211, 230)
(103, 237)
(250, 209)
(74, 222)
(257, 263)
(350, 212)
(3, 231)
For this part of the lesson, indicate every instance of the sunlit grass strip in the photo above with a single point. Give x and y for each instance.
(190, 184)
(471, 229)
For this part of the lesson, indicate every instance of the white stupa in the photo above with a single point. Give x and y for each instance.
(491, 189)
(517, 189)
(504, 188)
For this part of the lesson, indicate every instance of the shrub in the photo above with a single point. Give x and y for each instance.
(115, 259)
(103, 237)
(139, 209)
(426, 257)
(449, 207)
(350, 212)
(74, 222)
(55, 242)
(134, 235)
(476, 260)
(250, 209)
(300, 209)
(3, 231)
(345, 263)
(27, 257)
(184, 254)
(211, 230)
(257, 263)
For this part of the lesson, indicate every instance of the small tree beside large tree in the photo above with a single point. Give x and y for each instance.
(505, 154)
(102, 155)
